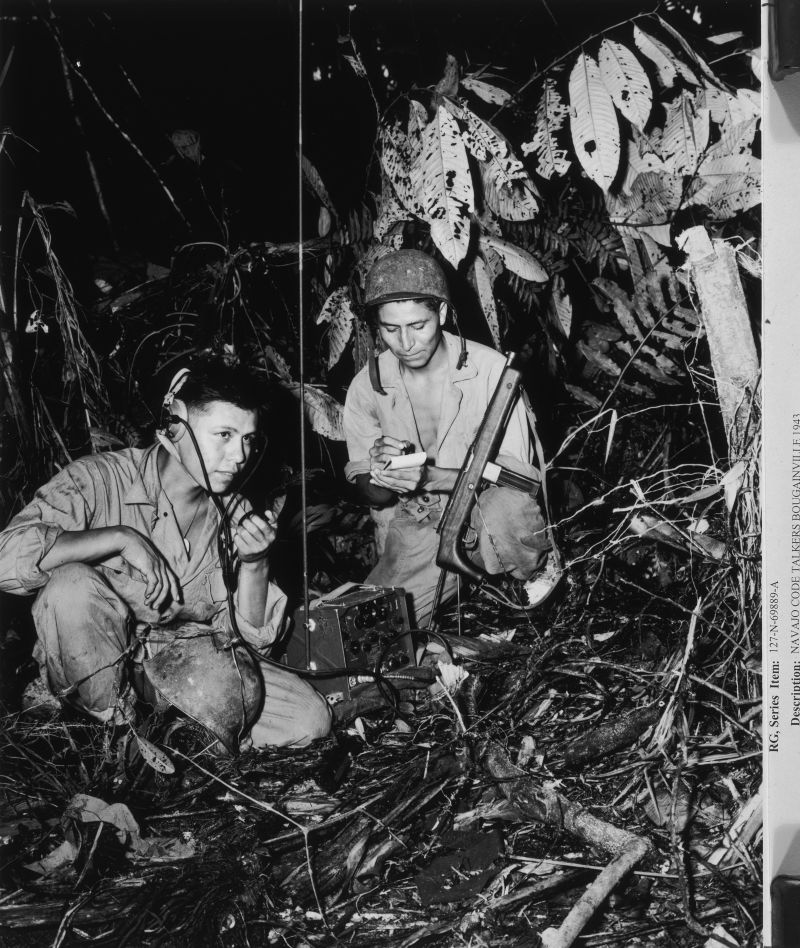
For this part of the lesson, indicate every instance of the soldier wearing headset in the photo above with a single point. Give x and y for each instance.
(149, 571)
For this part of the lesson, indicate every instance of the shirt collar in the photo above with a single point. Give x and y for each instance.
(146, 484)
(390, 365)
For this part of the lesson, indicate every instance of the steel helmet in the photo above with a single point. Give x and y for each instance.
(405, 275)
(221, 689)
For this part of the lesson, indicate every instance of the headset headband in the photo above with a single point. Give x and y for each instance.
(177, 383)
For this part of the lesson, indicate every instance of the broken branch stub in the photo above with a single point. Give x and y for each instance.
(712, 264)
(609, 737)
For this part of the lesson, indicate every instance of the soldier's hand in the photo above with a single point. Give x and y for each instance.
(162, 585)
(404, 481)
(254, 535)
(386, 448)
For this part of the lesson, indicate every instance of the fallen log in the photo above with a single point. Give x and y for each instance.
(548, 806)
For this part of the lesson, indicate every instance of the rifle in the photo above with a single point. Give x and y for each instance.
(476, 467)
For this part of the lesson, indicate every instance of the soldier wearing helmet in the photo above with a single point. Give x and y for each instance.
(131, 555)
(428, 392)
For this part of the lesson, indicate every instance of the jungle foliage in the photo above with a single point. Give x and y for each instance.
(564, 205)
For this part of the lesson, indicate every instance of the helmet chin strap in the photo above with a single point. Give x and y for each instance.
(374, 368)
(375, 373)
(462, 354)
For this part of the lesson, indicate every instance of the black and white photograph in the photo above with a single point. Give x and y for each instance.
(382, 474)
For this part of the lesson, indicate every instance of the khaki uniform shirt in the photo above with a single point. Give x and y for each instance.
(468, 391)
(123, 488)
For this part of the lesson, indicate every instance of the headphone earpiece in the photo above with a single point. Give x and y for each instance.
(167, 421)
(168, 418)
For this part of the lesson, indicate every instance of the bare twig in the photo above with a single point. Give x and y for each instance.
(550, 807)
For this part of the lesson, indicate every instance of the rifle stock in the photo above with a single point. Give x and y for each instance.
(483, 449)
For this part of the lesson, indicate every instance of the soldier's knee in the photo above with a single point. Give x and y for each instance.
(309, 719)
(319, 721)
(72, 579)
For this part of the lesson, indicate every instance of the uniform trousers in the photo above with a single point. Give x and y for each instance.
(506, 534)
(88, 643)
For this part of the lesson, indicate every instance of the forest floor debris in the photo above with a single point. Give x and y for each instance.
(404, 828)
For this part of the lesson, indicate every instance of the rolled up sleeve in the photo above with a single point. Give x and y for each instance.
(64, 503)
(361, 426)
(259, 636)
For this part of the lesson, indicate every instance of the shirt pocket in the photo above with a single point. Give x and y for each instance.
(216, 586)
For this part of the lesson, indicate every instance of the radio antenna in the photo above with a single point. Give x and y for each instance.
(301, 315)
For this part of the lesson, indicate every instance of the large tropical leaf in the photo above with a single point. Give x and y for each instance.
(501, 166)
(446, 186)
(750, 101)
(737, 193)
(662, 373)
(725, 108)
(338, 313)
(660, 233)
(635, 264)
(593, 122)
(323, 411)
(622, 304)
(640, 159)
(276, 363)
(627, 82)
(518, 261)
(390, 211)
(659, 55)
(716, 169)
(729, 110)
(484, 90)
(734, 140)
(550, 115)
(515, 203)
(599, 359)
(561, 305)
(653, 200)
(448, 84)
(582, 395)
(398, 160)
(690, 52)
(315, 182)
(483, 284)
(487, 144)
(686, 133)
(417, 119)
(493, 260)
(363, 344)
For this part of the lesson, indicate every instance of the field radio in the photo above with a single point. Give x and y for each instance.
(357, 626)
